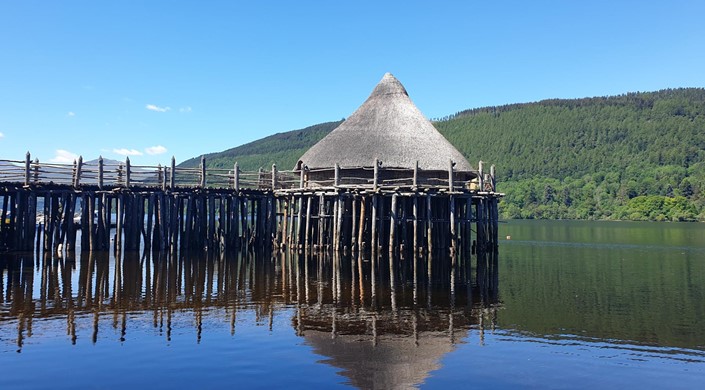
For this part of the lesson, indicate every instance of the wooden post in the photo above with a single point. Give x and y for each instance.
(480, 176)
(236, 177)
(302, 175)
(274, 176)
(450, 175)
(79, 167)
(375, 181)
(172, 173)
(415, 211)
(468, 222)
(307, 233)
(429, 223)
(161, 177)
(36, 170)
(91, 223)
(415, 184)
(492, 177)
(203, 172)
(299, 221)
(27, 161)
(392, 225)
(334, 227)
(361, 230)
(373, 221)
(353, 225)
(453, 236)
(127, 172)
(100, 172)
(336, 180)
(341, 210)
(321, 220)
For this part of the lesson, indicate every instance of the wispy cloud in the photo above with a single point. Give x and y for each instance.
(70, 114)
(153, 150)
(185, 109)
(64, 157)
(153, 107)
(127, 152)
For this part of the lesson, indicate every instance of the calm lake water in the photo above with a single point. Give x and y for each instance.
(563, 305)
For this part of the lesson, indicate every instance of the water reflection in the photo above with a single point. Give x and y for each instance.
(394, 318)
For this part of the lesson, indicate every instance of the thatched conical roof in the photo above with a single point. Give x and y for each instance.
(389, 127)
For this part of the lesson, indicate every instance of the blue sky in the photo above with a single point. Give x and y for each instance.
(152, 79)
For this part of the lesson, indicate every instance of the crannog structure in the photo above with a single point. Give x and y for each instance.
(389, 129)
(385, 171)
(384, 179)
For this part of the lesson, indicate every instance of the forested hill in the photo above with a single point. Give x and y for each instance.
(283, 149)
(638, 156)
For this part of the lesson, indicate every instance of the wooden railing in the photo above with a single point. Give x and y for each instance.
(125, 175)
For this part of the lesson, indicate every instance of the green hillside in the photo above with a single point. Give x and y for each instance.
(283, 149)
(639, 156)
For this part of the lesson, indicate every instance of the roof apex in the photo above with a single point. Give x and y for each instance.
(389, 85)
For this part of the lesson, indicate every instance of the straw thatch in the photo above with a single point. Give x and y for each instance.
(389, 127)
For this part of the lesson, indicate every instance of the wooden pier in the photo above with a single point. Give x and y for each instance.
(127, 207)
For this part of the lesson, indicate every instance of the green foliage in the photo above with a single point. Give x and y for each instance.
(588, 158)
(637, 156)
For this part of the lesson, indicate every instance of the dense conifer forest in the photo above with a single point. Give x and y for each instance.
(638, 156)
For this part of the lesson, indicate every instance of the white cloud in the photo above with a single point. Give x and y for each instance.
(153, 107)
(152, 150)
(185, 109)
(64, 157)
(127, 152)
(70, 113)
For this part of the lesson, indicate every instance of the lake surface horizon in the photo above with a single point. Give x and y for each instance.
(563, 304)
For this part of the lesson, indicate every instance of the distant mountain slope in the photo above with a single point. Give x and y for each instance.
(283, 149)
(634, 156)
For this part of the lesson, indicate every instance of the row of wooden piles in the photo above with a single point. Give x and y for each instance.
(221, 220)
(393, 221)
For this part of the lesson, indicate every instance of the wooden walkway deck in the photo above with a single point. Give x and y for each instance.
(170, 208)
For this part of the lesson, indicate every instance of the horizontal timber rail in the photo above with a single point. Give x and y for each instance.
(99, 174)
(129, 207)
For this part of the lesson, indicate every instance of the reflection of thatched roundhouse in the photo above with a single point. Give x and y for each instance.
(388, 127)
